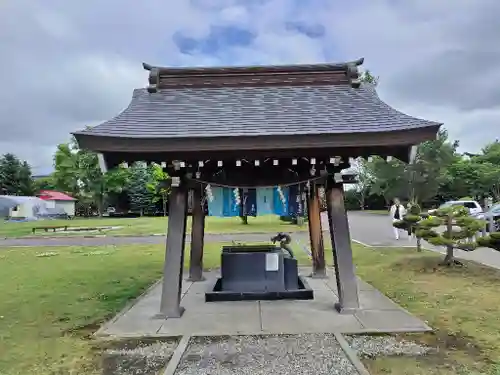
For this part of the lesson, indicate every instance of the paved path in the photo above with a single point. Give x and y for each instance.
(123, 240)
(376, 230)
(366, 228)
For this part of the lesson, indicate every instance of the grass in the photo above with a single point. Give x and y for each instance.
(51, 302)
(148, 225)
(461, 304)
(377, 212)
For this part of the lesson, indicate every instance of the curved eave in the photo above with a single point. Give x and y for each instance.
(105, 143)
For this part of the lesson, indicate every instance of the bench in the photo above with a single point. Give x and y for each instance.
(46, 229)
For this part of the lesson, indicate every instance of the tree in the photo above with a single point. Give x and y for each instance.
(492, 241)
(15, 176)
(428, 172)
(365, 182)
(411, 223)
(77, 172)
(66, 168)
(460, 231)
(97, 184)
(461, 179)
(44, 183)
(368, 77)
(489, 169)
(158, 186)
(137, 186)
(389, 179)
(475, 175)
(419, 181)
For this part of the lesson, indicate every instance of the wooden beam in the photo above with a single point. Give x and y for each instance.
(347, 284)
(315, 234)
(174, 254)
(197, 236)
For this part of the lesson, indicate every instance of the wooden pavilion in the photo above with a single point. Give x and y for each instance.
(251, 127)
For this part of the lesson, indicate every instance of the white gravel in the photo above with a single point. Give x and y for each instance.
(307, 354)
(375, 346)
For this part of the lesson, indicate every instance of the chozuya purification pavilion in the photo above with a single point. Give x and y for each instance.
(258, 126)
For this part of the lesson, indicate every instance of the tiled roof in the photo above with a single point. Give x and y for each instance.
(247, 111)
(54, 195)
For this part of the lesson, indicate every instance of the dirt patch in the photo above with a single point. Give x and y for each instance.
(444, 342)
(429, 353)
(136, 357)
(85, 332)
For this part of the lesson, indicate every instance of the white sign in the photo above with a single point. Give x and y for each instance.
(272, 262)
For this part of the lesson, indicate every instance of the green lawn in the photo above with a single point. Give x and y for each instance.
(49, 303)
(377, 212)
(462, 304)
(148, 225)
(51, 300)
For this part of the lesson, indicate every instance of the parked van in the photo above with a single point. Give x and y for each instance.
(474, 207)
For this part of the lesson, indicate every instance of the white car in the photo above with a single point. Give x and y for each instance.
(493, 214)
(474, 207)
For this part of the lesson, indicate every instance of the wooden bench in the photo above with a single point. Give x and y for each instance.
(46, 229)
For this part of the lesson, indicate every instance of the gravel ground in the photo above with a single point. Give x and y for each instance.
(375, 346)
(308, 354)
(140, 360)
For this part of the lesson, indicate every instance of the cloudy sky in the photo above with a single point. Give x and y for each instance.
(67, 64)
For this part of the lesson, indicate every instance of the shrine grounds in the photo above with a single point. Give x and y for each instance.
(53, 299)
(143, 226)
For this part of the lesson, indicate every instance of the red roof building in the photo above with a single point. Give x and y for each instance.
(59, 202)
(51, 195)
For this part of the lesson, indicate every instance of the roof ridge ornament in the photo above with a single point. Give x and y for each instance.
(352, 73)
(154, 77)
(248, 76)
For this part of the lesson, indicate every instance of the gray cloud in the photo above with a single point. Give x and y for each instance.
(71, 64)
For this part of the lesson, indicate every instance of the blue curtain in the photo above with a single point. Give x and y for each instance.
(295, 204)
(249, 199)
(216, 207)
(281, 208)
(230, 209)
(265, 203)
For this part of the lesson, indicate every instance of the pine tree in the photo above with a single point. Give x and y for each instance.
(492, 241)
(460, 231)
(15, 176)
(410, 222)
(141, 198)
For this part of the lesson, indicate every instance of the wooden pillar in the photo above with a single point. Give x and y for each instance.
(347, 284)
(315, 233)
(174, 254)
(197, 236)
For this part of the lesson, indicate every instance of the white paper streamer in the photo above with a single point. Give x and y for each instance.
(208, 190)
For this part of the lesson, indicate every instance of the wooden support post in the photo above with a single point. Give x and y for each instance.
(174, 254)
(315, 234)
(347, 284)
(197, 236)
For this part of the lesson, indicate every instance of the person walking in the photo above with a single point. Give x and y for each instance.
(397, 212)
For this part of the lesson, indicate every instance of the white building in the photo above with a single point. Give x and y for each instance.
(59, 201)
(20, 207)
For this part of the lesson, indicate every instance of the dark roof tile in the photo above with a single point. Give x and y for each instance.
(247, 111)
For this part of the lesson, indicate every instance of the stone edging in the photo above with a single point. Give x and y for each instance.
(351, 354)
(176, 358)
